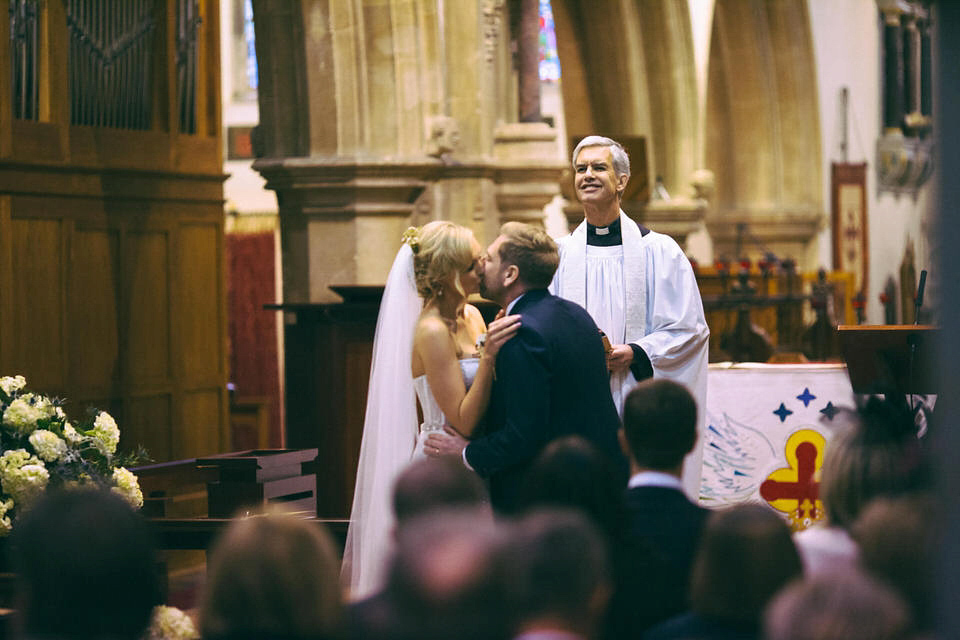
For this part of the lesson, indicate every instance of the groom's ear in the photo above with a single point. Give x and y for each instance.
(510, 275)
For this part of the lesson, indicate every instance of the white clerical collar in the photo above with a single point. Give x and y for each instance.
(513, 303)
(655, 479)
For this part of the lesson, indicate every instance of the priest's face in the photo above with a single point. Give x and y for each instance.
(595, 180)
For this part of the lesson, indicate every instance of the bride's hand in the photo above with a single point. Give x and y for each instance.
(499, 331)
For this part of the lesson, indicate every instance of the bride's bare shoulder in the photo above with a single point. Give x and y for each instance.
(430, 327)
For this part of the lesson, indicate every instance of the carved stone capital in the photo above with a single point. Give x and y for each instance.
(752, 232)
(342, 186)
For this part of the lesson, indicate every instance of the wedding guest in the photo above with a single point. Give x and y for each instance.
(436, 483)
(879, 454)
(447, 579)
(745, 558)
(571, 473)
(558, 576)
(272, 576)
(896, 537)
(431, 485)
(664, 526)
(837, 606)
(86, 568)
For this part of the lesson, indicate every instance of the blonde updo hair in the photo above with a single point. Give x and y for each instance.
(440, 248)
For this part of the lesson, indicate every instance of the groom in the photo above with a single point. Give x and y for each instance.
(551, 378)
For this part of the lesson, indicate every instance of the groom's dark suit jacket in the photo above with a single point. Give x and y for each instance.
(551, 381)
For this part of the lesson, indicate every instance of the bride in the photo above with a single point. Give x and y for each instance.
(428, 347)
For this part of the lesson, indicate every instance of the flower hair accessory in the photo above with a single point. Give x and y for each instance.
(412, 237)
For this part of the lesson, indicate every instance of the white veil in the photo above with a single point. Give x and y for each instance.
(389, 431)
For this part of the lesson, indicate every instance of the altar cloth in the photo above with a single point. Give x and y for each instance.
(767, 426)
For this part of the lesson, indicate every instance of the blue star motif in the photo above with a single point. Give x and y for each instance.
(829, 411)
(806, 397)
(782, 412)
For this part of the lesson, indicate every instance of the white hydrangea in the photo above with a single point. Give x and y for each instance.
(106, 432)
(71, 434)
(5, 524)
(128, 487)
(23, 413)
(15, 458)
(26, 483)
(10, 384)
(170, 623)
(48, 445)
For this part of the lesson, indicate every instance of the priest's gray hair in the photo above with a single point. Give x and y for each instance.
(621, 161)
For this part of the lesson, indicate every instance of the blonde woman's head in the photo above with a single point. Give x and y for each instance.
(272, 575)
(443, 253)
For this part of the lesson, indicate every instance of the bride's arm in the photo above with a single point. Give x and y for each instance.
(463, 408)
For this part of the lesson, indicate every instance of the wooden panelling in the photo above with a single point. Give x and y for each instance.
(200, 304)
(196, 429)
(92, 311)
(146, 273)
(145, 422)
(112, 286)
(6, 278)
(36, 311)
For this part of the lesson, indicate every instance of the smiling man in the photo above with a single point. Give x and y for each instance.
(637, 285)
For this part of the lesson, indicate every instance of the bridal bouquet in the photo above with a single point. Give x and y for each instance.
(41, 448)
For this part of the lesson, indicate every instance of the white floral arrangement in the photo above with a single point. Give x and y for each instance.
(170, 623)
(40, 448)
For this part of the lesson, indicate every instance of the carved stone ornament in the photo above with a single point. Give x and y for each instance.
(492, 10)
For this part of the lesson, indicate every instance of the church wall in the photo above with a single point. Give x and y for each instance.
(848, 47)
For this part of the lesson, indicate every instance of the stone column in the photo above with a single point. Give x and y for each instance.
(378, 114)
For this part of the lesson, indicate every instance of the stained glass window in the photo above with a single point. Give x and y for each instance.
(251, 49)
(549, 62)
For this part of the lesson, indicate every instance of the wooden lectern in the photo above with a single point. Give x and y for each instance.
(891, 358)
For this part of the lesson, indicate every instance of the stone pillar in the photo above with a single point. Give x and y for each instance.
(378, 114)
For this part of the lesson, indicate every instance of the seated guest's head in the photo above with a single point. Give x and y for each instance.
(837, 606)
(446, 578)
(558, 573)
(896, 539)
(745, 557)
(436, 483)
(86, 567)
(571, 473)
(272, 575)
(659, 425)
(879, 455)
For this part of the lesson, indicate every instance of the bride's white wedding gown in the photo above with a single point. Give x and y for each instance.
(433, 418)
(370, 541)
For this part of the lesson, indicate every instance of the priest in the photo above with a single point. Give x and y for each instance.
(637, 285)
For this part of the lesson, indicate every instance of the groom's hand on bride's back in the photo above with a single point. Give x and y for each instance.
(499, 331)
(448, 443)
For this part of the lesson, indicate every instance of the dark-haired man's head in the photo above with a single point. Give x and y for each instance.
(85, 567)
(436, 483)
(571, 473)
(559, 573)
(659, 426)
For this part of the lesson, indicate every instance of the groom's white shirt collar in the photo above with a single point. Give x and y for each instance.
(655, 479)
(513, 303)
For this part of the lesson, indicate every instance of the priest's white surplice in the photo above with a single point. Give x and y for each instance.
(663, 313)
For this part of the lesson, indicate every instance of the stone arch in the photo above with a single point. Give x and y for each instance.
(762, 138)
(628, 69)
